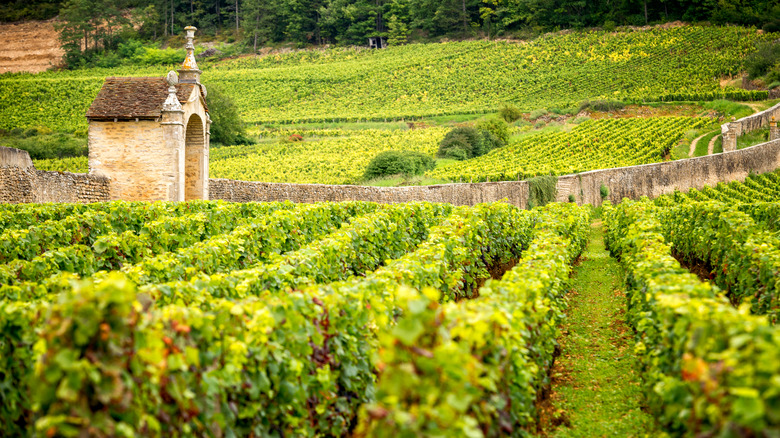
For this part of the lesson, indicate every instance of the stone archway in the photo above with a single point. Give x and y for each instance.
(194, 159)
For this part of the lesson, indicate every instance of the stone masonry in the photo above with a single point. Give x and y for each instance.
(151, 135)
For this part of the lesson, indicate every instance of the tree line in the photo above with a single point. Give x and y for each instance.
(102, 24)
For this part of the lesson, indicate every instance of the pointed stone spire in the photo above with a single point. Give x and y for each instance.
(189, 72)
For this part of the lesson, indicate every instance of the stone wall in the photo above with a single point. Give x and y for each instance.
(12, 157)
(653, 180)
(515, 192)
(19, 185)
(732, 130)
(625, 182)
(21, 182)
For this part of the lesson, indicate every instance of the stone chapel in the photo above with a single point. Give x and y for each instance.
(150, 135)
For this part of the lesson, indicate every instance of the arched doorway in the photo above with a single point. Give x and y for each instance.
(194, 159)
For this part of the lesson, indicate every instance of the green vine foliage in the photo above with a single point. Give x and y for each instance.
(696, 347)
(260, 319)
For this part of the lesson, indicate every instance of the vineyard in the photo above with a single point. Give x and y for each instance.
(407, 82)
(339, 156)
(243, 319)
(325, 157)
(590, 145)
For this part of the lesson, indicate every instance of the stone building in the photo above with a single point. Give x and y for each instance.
(151, 135)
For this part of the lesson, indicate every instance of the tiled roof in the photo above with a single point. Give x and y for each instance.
(131, 98)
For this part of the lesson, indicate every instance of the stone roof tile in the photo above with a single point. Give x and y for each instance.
(131, 98)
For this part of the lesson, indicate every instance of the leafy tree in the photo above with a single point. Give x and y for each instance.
(227, 128)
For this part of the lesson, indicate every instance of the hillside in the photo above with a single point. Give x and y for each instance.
(31, 46)
(681, 63)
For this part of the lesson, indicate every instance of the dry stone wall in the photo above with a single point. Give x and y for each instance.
(21, 182)
(12, 157)
(732, 130)
(625, 182)
(458, 194)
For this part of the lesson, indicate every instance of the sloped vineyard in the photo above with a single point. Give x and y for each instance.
(423, 80)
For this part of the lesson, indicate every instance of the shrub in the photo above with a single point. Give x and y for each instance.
(604, 191)
(460, 144)
(510, 113)
(765, 59)
(772, 26)
(408, 163)
(540, 124)
(572, 198)
(535, 114)
(498, 128)
(601, 105)
(42, 144)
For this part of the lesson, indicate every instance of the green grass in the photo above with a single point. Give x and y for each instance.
(753, 138)
(718, 146)
(701, 146)
(727, 108)
(680, 151)
(596, 383)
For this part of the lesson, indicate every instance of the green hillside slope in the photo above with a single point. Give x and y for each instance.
(427, 80)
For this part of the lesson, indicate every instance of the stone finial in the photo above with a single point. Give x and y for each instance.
(189, 72)
(189, 61)
(172, 102)
(172, 79)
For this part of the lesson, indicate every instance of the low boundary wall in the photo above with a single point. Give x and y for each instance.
(12, 157)
(623, 182)
(26, 184)
(732, 130)
(516, 192)
(18, 184)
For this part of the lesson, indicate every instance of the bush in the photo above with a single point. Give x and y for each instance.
(460, 144)
(227, 128)
(498, 128)
(42, 144)
(407, 163)
(510, 113)
(535, 114)
(604, 191)
(466, 142)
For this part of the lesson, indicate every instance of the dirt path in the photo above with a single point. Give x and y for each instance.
(753, 106)
(596, 384)
(695, 141)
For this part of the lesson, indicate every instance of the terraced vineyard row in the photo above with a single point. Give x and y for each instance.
(696, 346)
(251, 319)
(591, 145)
(681, 63)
